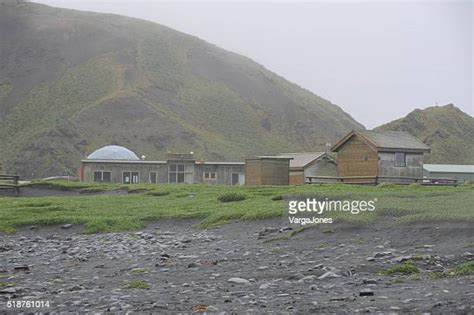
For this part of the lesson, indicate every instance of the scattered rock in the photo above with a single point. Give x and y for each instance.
(10, 290)
(366, 292)
(21, 268)
(5, 247)
(264, 286)
(369, 281)
(90, 273)
(382, 254)
(295, 277)
(285, 229)
(329, 274)
(306, 279)
(239, 281)
(400, 259)
(192, 265)
(267, 231)
(467, 255)
(76, 288)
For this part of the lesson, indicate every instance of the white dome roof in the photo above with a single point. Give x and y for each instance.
(113, 152)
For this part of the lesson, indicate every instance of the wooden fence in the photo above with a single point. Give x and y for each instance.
(374, 180)
(10, 182)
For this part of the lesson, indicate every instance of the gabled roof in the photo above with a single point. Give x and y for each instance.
(301, 160)
(269, 157)
(448, 168)
(386, 140)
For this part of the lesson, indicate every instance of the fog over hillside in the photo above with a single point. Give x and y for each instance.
(378, 60)
(74, 81)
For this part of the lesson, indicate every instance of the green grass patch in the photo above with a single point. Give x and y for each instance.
(231, 197)
(277, 197)
(137, 284)
(440, 275)
(157, 193)
(464, 269)
(418, 257)
(403, 269)
(122, 212)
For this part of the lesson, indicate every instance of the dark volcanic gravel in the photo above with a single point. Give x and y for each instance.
(239, 267)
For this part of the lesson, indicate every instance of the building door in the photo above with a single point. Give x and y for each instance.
(153, 177)
(241, 179)
(131, 178)
(126, 179)
(235, 179)
(135, 178)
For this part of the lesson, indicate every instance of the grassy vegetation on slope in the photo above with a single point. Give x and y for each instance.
(82, 80)
(446, 129)
(102, 213)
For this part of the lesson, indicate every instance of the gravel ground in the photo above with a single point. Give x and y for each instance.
(241, 267)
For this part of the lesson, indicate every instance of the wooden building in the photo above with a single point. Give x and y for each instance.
(115, 164)
(462, 173)
(387, 156)
(306, 164)
(267, 170)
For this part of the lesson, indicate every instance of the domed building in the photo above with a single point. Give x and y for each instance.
(113, 152)
(117, 164)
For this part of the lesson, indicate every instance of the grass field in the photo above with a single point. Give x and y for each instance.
(104, 213)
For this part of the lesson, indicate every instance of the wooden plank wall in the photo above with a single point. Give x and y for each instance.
(117, 169)
(223, 173)
(357, 158)
(275, 172)
(297, 177)
(253, 172)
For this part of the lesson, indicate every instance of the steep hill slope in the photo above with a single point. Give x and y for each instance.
(73, 81)
(446, 129)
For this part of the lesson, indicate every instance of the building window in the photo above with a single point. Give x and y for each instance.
(181, 173)
(101, 177)
(131, 177)
(210, 175)
(400, 159)
(153, 177)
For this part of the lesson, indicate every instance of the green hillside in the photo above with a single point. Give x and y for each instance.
(446, 129)
(73, 81)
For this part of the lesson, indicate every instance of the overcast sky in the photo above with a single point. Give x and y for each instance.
(378, 60)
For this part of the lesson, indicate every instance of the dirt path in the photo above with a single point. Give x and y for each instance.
(171, 266)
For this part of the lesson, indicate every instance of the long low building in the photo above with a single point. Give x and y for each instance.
(116, 164)
(463, 173)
